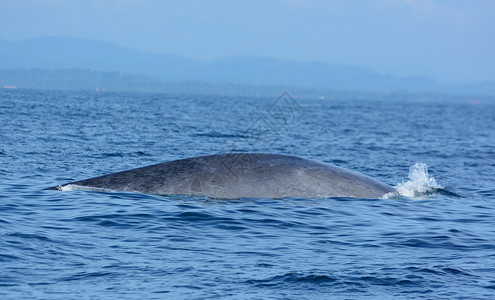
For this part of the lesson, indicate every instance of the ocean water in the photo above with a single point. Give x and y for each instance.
(435, 241)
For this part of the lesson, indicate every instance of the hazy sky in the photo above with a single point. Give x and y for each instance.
(449, 39)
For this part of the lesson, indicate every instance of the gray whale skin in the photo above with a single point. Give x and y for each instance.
(240, 175)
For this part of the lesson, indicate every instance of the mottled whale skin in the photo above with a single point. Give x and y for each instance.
(241, 175)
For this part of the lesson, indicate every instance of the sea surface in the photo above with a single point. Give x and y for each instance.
(435, 241)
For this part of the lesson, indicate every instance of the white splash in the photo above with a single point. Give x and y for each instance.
(419, 182)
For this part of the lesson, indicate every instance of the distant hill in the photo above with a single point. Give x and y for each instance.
(100, 81)
(54, 53)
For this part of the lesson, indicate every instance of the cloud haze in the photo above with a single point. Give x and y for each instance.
(448, 40)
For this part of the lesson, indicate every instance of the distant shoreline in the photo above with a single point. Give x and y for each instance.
(108, 82)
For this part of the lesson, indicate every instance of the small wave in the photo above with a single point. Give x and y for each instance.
(321, 280)
(419, 183)
(215, 134)
(292, 277)
(86, 276)
(8, 257)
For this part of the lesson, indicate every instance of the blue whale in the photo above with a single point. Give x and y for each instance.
(240, 175)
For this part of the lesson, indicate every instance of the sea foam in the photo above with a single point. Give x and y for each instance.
(419, 183)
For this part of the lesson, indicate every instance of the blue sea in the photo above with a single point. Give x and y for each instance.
(435, 241)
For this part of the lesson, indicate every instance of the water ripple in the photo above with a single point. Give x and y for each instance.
(123, 245)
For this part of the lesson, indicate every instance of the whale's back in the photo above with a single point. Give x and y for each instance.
(251, 175)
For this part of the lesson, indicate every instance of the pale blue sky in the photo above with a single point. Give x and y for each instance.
(447, 40)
